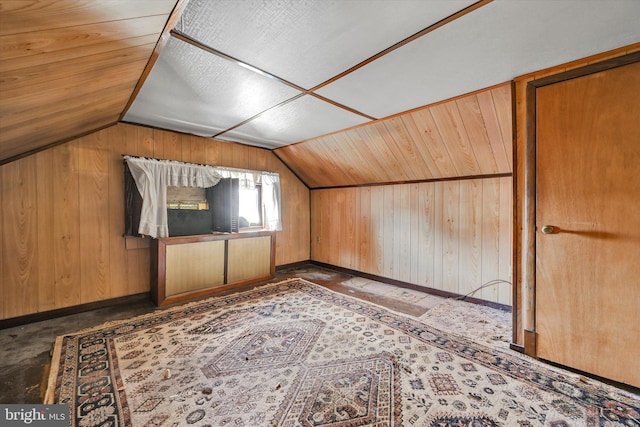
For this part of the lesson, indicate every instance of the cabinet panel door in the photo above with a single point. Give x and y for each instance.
(194, 266)
(249, 258)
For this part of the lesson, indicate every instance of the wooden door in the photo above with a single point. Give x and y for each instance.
(588, 189)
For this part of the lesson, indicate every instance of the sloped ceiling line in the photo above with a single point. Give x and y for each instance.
(67, 68)
(378, 58)
(170, 23)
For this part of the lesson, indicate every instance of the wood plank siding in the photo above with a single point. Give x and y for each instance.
(451, 235)
(466, 136)
(62, 216)
(443, 218)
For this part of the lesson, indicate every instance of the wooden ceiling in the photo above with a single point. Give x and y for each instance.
(467, 136)
(70, 67)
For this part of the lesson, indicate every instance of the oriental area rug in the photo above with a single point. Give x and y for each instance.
(297, 354)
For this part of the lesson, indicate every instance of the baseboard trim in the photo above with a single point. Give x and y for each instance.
(406, 285)
(66, 311)
(530, 342)
(51, 314)
(517, 347)
(298, 264)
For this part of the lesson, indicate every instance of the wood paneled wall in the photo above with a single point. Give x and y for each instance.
(449, 235)
(62, 216)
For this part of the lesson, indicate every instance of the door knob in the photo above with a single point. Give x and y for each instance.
(548, 229)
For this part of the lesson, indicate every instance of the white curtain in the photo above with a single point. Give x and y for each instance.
(248, 178)
(152, 178)
(271, 201)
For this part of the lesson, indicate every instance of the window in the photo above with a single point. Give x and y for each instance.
(165, 198)
(249, 210)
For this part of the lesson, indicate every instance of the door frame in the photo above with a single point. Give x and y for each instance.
(528, 233)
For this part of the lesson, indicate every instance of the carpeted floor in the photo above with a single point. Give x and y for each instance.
(479, 323)
(297, 354)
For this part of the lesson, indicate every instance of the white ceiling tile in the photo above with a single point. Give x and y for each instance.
(250, 140)
(194, 91)
(495, 43)
(307, 42)
(303, 118)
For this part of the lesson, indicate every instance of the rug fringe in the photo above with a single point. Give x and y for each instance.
(49, 394)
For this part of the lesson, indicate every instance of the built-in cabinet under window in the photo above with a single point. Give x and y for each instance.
(189, 267)
(201, 244)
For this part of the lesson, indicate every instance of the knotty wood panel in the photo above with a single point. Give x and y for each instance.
(19, 238)
(194, 266)
(67, 68)
(452, 235)
(248, 258)
(62, 216)
(94, 211)
(66, 224)
(466, 136)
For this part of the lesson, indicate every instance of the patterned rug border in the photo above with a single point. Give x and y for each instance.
(515, 366)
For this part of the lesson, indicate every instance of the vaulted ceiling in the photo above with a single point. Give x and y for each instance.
(331, 85)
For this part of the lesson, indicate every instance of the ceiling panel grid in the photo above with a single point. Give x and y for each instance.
(299, 44)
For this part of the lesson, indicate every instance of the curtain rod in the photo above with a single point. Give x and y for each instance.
(201, 164)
